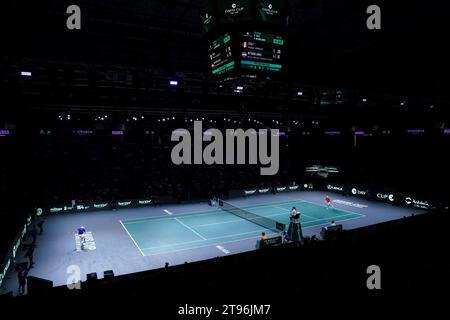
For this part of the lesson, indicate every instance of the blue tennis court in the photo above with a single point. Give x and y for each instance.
(172, 233)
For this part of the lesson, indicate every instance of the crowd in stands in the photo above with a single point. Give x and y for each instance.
(62, 166)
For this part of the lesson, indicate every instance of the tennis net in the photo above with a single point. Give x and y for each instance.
(250, 216)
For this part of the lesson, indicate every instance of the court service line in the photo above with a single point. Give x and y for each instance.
(215, 238)
(208, 245)
(348, 211)
(231, 241)
(181, 215)
(302, 214)
(240, 220)
(336, 218)
(132, 238)
(217, 212)
(168, 212)
(185, 225)
(223, 249)
(201, 213)
(228, 236)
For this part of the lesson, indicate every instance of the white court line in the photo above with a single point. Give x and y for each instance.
(185, 225)
(224, 250)
(208, 245)
(259, 230)
(240, 220)
(215, 238)
(176, 214)
(132, 238)
(273, 206)
(332, 218)
(203, 212)
(160, 218)
(269, 203)
(168, 212)
(359, 214)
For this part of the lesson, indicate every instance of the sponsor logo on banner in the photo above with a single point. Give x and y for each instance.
(335, 188)
(292, 188)
(358, 192)
(417, 203)
(384, 196)
(234, 9)
(124, 204)
(100, 205)
(281, 189)
(144, 202)
(249, 192)
(269, 10)
(208, 18)
(39, 211)
(54, 210)
(263, 190)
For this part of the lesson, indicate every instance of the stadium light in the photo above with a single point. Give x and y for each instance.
(173, 83)
(25, 73)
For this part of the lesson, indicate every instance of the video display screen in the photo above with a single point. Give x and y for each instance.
(261, 51)
(221, 55)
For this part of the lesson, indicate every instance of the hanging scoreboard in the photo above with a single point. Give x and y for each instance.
(261, 51)
(246, 35)
(221, 54)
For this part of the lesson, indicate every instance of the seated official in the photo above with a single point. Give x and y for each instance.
(333, 224)
(295, 215)
(213, 202)
(260, 244)
(81, 231)
(294, 212)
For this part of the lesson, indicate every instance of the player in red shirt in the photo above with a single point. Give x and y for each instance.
(328, 202)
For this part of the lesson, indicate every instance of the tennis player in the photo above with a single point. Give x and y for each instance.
(328, 202)
(81, 231)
